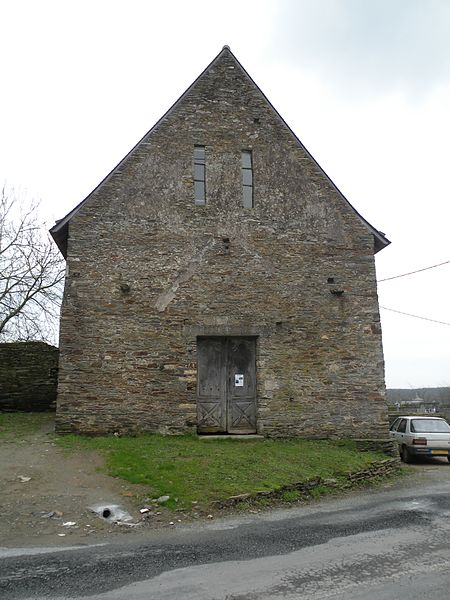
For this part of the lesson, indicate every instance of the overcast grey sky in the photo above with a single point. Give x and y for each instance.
(365, 86)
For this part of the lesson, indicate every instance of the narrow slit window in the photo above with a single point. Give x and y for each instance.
(199, 175)
(247, 179)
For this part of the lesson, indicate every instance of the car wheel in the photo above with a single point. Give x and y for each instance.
(448, 458)
(405, 455)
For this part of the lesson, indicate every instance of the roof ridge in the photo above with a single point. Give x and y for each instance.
(59, 230)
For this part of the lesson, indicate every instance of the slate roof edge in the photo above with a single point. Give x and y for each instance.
(59, 231)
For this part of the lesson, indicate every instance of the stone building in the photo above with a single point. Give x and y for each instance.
(218, 281)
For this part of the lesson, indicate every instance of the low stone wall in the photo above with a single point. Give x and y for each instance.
(28, 376)
(387, 446)
(384, 445)
(375, 471)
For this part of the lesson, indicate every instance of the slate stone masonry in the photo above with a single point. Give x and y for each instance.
(149, 271)
(28, 375)
(379, 470)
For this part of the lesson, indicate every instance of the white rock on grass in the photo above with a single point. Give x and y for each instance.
(162, 499)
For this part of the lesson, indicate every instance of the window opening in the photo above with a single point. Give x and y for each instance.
(199, 175)
(402, 426)
(247, 179)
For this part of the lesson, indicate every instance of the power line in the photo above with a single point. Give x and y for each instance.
(413, 272)
(415, 316)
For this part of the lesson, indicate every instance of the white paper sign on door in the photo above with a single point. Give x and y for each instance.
(238, 380)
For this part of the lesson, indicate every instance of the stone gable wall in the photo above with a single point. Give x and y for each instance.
(149, 271)
(28, 375)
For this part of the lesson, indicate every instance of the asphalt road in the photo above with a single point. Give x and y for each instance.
(388, 544)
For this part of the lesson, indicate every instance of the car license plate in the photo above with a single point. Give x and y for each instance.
(441, 452)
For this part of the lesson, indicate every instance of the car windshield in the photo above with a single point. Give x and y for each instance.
(429, 426)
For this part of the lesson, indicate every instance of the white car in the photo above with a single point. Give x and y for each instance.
(421, 436)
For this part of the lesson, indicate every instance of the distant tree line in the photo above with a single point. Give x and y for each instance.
(440, 395)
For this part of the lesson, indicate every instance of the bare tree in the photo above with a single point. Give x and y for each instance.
(31, 274)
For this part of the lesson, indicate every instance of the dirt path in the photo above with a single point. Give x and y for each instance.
(64, 484)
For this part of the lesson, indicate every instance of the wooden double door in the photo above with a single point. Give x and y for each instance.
(226, 385)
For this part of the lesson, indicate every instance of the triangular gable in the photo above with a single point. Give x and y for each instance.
(59, 231)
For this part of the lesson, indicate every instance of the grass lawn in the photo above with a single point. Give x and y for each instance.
(189, 469)
(192, 470)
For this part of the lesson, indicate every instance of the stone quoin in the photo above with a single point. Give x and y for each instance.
(219, 282)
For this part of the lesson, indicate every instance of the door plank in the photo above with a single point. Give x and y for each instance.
(241, 385)
(211, 399)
